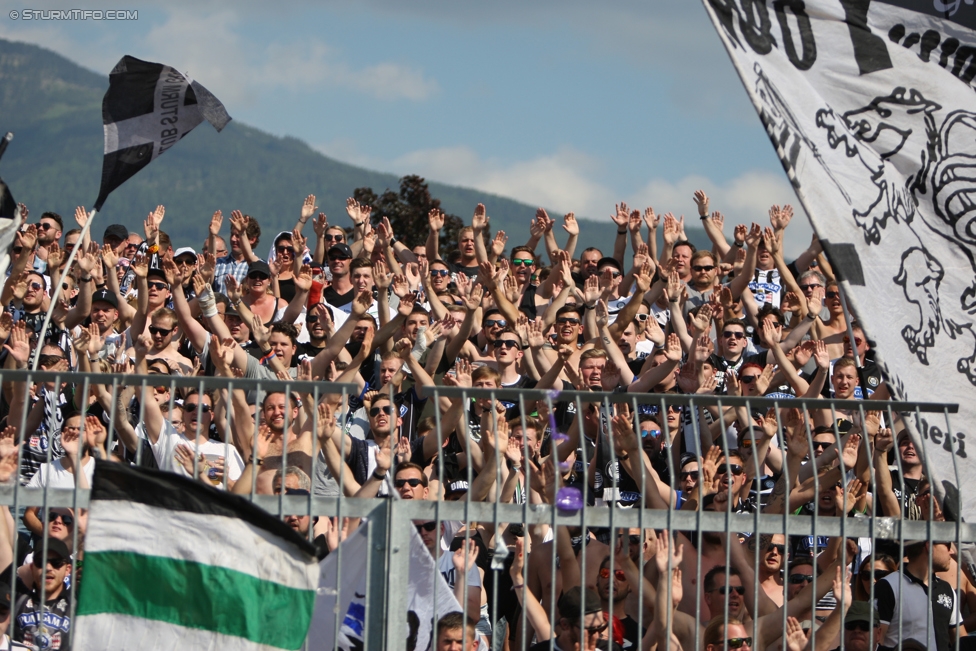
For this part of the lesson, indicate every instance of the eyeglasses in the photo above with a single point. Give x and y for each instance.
(690, 474)
(192, 406)
(57, 563)
(334, 238)
(726, 468)
(426, 526)
(375, 411)
(810, 286)
(738, 589)
(507, 343)
(34, 286)
(832, 294)
(748, 379)
(438, 273)
(523, 262)
(739, 642)
(162, 332)
(491, 323)
(702, 267)
(566, 319)
(153, 284)
(413, 482)
(617, 574)
(857, 340)
(857, 626)
(779, 549)
(257, 275)
(729, 334)
(285, 249)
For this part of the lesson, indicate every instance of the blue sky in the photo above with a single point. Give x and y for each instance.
(566, 104)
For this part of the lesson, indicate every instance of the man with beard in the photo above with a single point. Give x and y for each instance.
(319, 325)
(368, 460)
(47, 625)
(914, 604)
(772, 560)
(281, 428)
(49, 230)
(105, 314)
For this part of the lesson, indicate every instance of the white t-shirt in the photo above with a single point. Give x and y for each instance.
(54, 475)
(165, 451)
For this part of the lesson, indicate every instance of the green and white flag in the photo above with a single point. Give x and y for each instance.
(171, 563)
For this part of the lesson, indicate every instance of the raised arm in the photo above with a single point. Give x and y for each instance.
(435, 219)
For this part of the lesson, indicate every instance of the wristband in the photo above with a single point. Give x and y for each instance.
(153, 249)
(420, 346)
(393, 240)
(85, 280)
(704, 217)
(379, 477)
(255, 462)
(740, 244)
(623, 232)
(517, 587)
(589, 307)
(811, 316)
(208, 302)
(266, 360)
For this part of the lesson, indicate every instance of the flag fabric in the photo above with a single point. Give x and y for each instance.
(870, 107)
(147, 109)
(351, 596)
(173, 564)
(9, 223)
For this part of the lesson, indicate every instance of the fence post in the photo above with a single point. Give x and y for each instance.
(375, 635)
(398, 576)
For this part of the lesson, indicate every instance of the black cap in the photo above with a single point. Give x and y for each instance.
(459, 486)
(106, 297)
(342, 248)
(861, 611)
(608, 261)
(54, 546)
(575, 602)
(259, 266)
(116, 230)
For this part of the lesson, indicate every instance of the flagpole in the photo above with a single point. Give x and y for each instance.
(850, 327)
(5, 141)
(57, 289)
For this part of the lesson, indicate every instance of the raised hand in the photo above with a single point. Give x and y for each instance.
(320, 225)
(740, 232)
(81, 216)
(308, 208)
(207, 264)
(238, 222)
(651, 219)
(796, 639)
(435, 218)
(673, 350)
(570, 225)
(754, 236)
(634, 224)
(140, 265)
(303, 280)
(142, 345)
(464, 559)
(671, 230)
(358, 213)
(8, 453)
(665, 556)
(718, 219)
(543, 218)
(174, 276)
(780, 219)
(702, 320)
(382, 277)
(498, 244)
(479, 221)
(701, 200)
(621, 216)
(216, 221)
(233, 288)
(820, 356)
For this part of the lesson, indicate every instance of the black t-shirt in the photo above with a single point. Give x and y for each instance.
(306, 351)
(54, 631)
(527, 304)
(335, 299)
(286, 288)
(470, 272)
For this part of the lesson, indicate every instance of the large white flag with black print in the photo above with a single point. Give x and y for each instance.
(871, 107)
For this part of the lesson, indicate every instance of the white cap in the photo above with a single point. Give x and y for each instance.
(185, 249)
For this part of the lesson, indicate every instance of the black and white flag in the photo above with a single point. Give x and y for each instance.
(870, 105)
(147, 109)
(9, 223)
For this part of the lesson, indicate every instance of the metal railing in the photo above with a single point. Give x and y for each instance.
(391, 520)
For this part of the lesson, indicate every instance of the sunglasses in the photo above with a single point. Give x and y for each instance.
(593, 630)
(613, 272)
(507, 343)
(726, 468)
(159, 390)
(375, 411)
(617, 574)
(154, 284)
(285, 249)
(523, 262)
(426, 526)
(192, 406)
(797, 579)
(745, 443)
(642, 317)
(748, 379)
(333, 238)
(35, 286)
(832, 294)
(779, 549)
(690, 474)
(491, 323)
(810, 286)
(162, 332)
(739, 642)
(635, 539)
(57, 563)
(66, 518)
(874, 575)
(131, 245)
(653, 433)
(676, 408)
(438, 273)
(728, 334)
(567, 319)
(822, 445)
(702, 267)
(738, 589)
(257, 275)
(336, 257)
(413, 482)
(45, 227)
(18, 249)
(857, 626)
(185, 262)
(857, 340)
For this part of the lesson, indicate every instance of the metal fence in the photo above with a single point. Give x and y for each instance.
(391, 520)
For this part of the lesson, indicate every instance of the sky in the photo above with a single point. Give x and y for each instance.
(570, 104)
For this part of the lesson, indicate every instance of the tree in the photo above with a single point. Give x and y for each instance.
(407, 212)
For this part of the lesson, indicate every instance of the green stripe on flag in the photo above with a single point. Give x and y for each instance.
(195, 595)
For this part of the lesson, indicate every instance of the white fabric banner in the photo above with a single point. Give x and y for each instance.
(871, 109)
(351, 596)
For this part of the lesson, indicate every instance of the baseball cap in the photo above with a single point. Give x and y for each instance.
(259, 266)
(609, 262)
(341, 248)
(106, 297)
(117, 231)
(54, 546)
(575, 602)
(459, 486)
(862, 611)
(185, 250)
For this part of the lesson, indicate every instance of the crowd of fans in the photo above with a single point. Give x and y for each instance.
(396, 319)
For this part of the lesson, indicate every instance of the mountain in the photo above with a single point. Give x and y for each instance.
(54, 163)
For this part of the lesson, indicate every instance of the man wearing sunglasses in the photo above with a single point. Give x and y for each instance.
(569, 635)
(47, 625)
(730, 354)
(701, 285)
(619, 586)
(340, 293)
(49, 230)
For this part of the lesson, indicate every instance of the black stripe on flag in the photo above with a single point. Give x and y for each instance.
(132, 85)
(121, 165)
(8, 208)
(166, 490)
